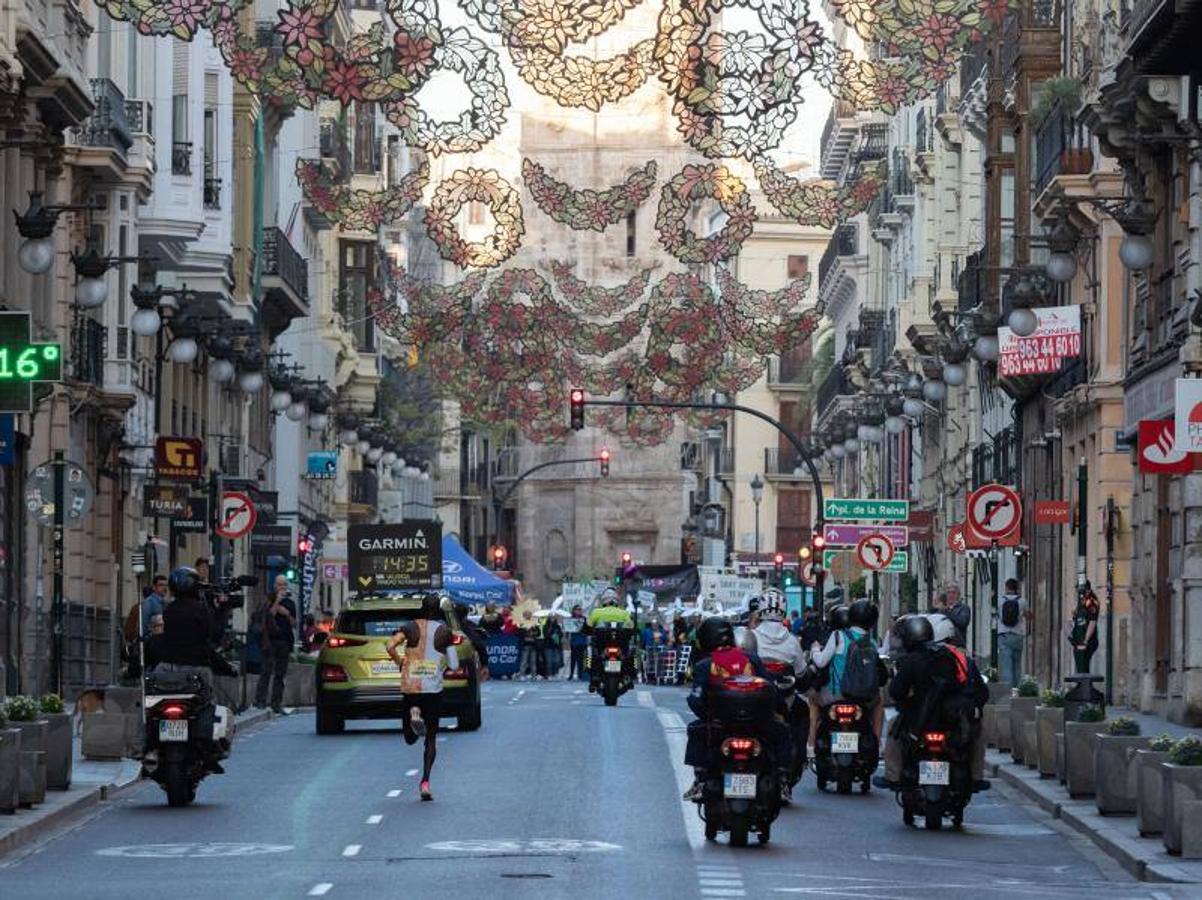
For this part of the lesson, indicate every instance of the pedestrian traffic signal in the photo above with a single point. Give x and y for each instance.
(576, 400)
(787, 578)
(498, 557)
(604, 462)
(290, 572)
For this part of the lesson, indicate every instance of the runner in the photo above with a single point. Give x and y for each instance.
(428, 652)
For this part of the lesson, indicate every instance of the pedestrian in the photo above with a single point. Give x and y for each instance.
(492, 621)
(528, 662)
(795, 622)
(578, 643)
(1013, 615)
(278, 637)
(308, 630)
(958, 611)
(813, 630)
(154, 602)
(1084, 634)
(553, 649)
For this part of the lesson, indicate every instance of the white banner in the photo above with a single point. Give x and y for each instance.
(1057, 338)
(1189, 415)
(726, 587)
(582, 593)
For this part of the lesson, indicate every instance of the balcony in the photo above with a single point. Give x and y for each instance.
(726, 462)
(1063, 146)
(790, 375)
(924, 131)
(335, 148)
(107, 126)
(104, 143)
(838, 135)
(874, 142)
(970, 286)
(844, 242)
(285, 280)
(784, 465)
(181, 157)
(212, 193)
(833, 385)
(88, 346)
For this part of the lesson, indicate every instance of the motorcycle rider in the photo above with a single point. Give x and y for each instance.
(775, 642)
(608, 610)
(860, 620)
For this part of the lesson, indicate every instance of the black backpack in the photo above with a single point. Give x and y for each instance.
(861, 680)
(1010, 611)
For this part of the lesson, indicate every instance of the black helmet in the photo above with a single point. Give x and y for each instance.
(184, 582)
(715, 633)
(863, 614)
(838, 618)
(431, 608)
(916, 630)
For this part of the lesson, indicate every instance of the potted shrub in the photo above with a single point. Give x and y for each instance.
(1148, 768)
(1080, 740)
(10, 763)
(24, 713)
(1114, 766)
(1049, 721)
(1022, 710)
(1182, 784)
(60, 747)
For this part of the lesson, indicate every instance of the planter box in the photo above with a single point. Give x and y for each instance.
(10, 769)
(1182, 785)
(33, 778)
(1060, 755)
(1114, 770)
(989, 715)
(1191, 830)
(1049, 721)
(1149, 791)
(999, 692)
(1030, 745)
(1022, 710)
(1003, 730)
(60, 751)
(33, 734)
(1080, 743)
(105, 735)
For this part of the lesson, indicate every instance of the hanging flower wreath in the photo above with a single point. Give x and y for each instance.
(475, 126)
(359, 210)
(696, 183)
(580, 81)
(262, 70)
(588, 209)
(553, 24)
(178, 18)
(598, 301)
(930, 29)
(487, 186)
(744, 303)
(819, 202)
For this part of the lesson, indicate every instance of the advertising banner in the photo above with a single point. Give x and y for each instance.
(502, 655)
(400, 557)
(1057, 338)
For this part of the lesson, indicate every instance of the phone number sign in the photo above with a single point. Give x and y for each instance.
(1057, 338)
(402, 557)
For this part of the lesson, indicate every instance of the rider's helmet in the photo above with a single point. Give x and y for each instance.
(184, 582)
(609, 597)
(916, 631)
(837, 618)
(863, 614)
(715, 633)
(772, 605)
(942, 627)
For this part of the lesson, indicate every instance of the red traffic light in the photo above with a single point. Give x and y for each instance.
(604, 454)
(779, 561)
(819, 542)
(626, 559)
(304, 545)
(577, 395)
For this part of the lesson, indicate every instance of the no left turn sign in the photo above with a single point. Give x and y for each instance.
(236, 516)
(875, 551)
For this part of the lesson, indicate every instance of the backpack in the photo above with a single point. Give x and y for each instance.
(861, 673)
(1010, 611)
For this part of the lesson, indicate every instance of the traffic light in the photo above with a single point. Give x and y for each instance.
(627, 559)
(498, 557)
(290, 571)
(804, 553)
(819, 544)
(778, 563)
(604, 462)
(787, 578)
(576, 400)
(304, 545)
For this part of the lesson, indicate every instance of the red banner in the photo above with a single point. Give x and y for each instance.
(1052, 512)
(1158, 451)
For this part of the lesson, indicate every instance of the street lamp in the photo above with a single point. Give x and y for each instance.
(36, 225)
(757, 494)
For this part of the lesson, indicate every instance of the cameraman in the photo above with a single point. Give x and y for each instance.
(278, 630)
(189, 630)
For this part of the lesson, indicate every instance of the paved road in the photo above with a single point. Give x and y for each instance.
(556, 796)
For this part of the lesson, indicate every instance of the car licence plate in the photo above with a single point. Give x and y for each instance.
(738, 786)
(173, 730)
(845, 742)
(613, 665)
(934, 771)
(384, 668)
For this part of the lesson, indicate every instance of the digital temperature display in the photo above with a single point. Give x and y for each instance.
(23, 361)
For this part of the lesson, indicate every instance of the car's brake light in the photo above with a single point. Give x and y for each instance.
(845, 712)
(173, 710)
(740, 748)
(335, 642)
(455, 674)
(935, 741)
(333, 673)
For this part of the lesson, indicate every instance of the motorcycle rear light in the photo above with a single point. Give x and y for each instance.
(336, 642)
(173, 711)
(935, 740)
(613, 652)
(778, 668)
(748, 685)
(740, 748)
(333, 673)
(845, 712)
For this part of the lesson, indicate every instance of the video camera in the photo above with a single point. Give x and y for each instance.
(230, 595)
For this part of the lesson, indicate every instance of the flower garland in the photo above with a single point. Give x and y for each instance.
(818, 202)
(553, 24)
(179, 18)
(487, 186)
(580, 81)
(598, 301)
(359, 210)
(588, 209)
(695, 183)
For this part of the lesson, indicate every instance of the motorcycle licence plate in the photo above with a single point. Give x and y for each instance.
(173, 730)
(845, 742)
(934, 771)
(738, 786)
(613, 665)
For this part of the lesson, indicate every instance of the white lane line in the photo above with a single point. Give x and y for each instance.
(645, 699)
(720, 882)
(411, 773)
(394, 793)
(375, 820)
(352, 849)
(320, 890)
(722, 892)
(674, 733)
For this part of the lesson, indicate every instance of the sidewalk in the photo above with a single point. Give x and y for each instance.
(1117, 836)
(92, 782)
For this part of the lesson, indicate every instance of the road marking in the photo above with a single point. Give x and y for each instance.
(352, 849)
(723, 892)
(720, 882)
(537, 846)
(394, 793)
(193, 851)
(411, 773)
(320, 890)
(645, 699)
(375, 820)
(674, 733)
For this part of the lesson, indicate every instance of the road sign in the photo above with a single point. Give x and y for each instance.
(400, 557)
(955, 538)
(236, 515)
(807, 572)
(22, 362)
(77, 494)
(865, 510)
(180, 458)
(840, 535)
(995, 511)
(334, 571)
(899, 563)
(322, 464)
(875, 551)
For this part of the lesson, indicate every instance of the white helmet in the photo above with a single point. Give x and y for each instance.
(773, 607)
(942, 626)
(609, 597)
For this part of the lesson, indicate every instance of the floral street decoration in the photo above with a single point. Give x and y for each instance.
(359, 210)
(486, 186)
(695, 183)
(818, 202)
(475, 126)
(588, 209)
(591, 300)
(553, 24)
(179, 18)
(581, 81)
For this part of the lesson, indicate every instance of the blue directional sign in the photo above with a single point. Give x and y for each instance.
(322, 464)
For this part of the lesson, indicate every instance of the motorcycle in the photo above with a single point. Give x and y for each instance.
(613, 672)
(741, 793)
(937, 780)
(186, 733)
(797, 717)
(846, 749)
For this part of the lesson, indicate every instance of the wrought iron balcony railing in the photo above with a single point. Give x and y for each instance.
(1062, 147)
(181, 157)
(107, 126)
(281, 259)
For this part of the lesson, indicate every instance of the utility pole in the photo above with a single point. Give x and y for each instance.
(58, 635)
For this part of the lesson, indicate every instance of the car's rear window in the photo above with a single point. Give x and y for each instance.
(371, 622)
